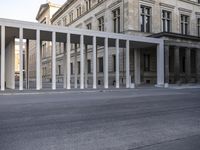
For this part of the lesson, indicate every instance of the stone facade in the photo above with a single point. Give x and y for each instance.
(176, 21)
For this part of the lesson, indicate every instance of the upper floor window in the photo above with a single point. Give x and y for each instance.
(100, 1)
(71, 17)
(116, 20)
(78, 11)
(59, 23)
(44, 21)
(89, 26)
(145, 18)
(88, 4)
(184, 24)
(166, 21)
(101, 24)
(65, 21)
(198, 27)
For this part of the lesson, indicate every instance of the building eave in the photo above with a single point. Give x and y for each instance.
(62, 9)
(175, 35)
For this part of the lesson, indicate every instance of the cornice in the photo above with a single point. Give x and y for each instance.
(149, 1)
(184, 10)
(167, 5)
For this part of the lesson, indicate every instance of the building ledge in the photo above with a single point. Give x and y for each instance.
(175, 35)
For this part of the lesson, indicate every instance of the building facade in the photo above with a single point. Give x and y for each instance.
(175, 21)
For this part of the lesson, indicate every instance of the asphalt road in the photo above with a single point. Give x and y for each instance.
(142, 119)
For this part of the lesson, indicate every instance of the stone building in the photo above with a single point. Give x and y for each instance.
(175, 21)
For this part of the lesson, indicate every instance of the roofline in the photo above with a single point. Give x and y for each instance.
(49, 4)
(62, 9)
(175, 35)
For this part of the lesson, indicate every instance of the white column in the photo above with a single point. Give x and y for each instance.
(41, 64)
(82, 62)
(38, 62)
(2, 58)
(127, 64)
(86, 67)
(106, 63)
(27, 64)
(94, 63)
(160, 64)
(117, 63)
(137, 66)
(53, 60)
(75, 68)
(68, 61)
(21, 59)
(65, 66)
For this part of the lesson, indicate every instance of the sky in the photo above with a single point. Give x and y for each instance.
(25, 10)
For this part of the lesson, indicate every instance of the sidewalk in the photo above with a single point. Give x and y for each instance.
(90, 90)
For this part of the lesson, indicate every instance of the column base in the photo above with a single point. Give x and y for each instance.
(160, 85)
(166, 85)
(132, 85)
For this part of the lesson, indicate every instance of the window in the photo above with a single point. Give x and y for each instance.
(59, 69)
(100, 1)
(145, 18)
(114, 63)
(71, 65)
(166, 21)
(79, 67)
(71, 17)
(89, 26)
(59, 23)
(184, 24)
(78, 11)
(198, 27)
(146, 62)
(89, 65)
(88, 5)
(101, 24)
(44, 50)
(116, 20)
(65, 21)
(101, 64)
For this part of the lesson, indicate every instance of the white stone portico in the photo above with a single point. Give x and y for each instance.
(12, 29)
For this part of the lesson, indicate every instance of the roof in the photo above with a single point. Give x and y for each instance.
(175, 35)
(44, 7)
(62, 9)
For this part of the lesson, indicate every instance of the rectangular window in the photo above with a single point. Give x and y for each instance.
(79, 67)
(198, 27)
(114, 63)
(166, 21)
(88, 5)
(89, 26)
(71, 65)
(146, 62)
(184, 24)
(145, 18)
(78, 11)
(59, 69)
(71, 17)
(101, 24)
(116, 20)
(101, 64)
(89, 65)
(65, 21)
